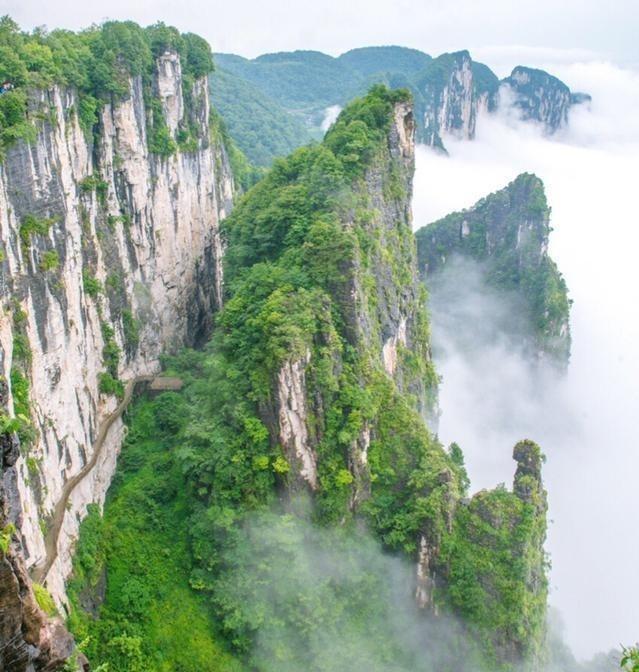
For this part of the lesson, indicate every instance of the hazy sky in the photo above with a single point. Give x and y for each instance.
(252, 27)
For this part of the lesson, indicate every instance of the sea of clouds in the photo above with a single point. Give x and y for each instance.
(588, 422)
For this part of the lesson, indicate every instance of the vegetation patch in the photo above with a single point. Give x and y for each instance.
(145, 616)
(31, 226)
(50, 261)
(92, 286)
(44, 599)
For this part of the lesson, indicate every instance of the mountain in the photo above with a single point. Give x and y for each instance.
(540, 97)
(262, 129)
(374, 60)
(300, 426)
(450, 91)
(506, 233)
(112, 186)
(301, 81)
(281, 501)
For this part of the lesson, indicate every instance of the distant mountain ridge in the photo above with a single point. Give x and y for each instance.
(450, 91)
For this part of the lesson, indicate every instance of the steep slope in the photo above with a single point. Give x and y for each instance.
(262, 128)
(507, 234)
(112, 187)
(454, 90)
(540, 97)
(302, 426)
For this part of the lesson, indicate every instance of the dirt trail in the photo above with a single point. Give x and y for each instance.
(39, 572)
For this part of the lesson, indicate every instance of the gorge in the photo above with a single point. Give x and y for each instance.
(288, 503)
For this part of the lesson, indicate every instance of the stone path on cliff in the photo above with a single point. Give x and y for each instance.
(39, 572)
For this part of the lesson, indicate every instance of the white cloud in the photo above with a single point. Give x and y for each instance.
(586, 424)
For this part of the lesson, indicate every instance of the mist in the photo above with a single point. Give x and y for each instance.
(329, 598)
(586, 421)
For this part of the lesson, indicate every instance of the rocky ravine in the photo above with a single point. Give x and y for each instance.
(110, 257)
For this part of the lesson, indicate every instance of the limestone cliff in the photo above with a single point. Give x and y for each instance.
(506, 234)
(454, 90)
(382, 307)
(111, 255)
(540, 97)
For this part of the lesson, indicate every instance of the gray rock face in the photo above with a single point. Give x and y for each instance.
(540, 97)
(126, 243)
(448, 101)
(451, 93)
(28, 640)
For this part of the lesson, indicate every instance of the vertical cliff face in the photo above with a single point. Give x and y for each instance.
(506, 235)
(111, 255)
(317, 381)
(449, 105)
(453, 90)
(540, 97)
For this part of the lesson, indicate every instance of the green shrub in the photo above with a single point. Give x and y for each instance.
(158, 136)
(131, 329)
(32, 225)
(44, 599)
(114, 282)
(21, 347)
(108, 384)
(97, 184)
(14, 124)
(50, 261)
(630, 659)
(6, 534)
(92, 286)
(20, 392)
(110, 351)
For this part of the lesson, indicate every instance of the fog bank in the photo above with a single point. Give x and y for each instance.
(586, 422)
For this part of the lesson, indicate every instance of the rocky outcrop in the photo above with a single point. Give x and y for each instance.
(451, 92)
(506, 234)
(496, 551)
(293, 418)
(381, 301)
(540, 97)
(29, 640)
(110, 257)
(447, 91)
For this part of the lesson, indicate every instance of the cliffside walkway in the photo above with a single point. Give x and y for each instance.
(39, 572)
